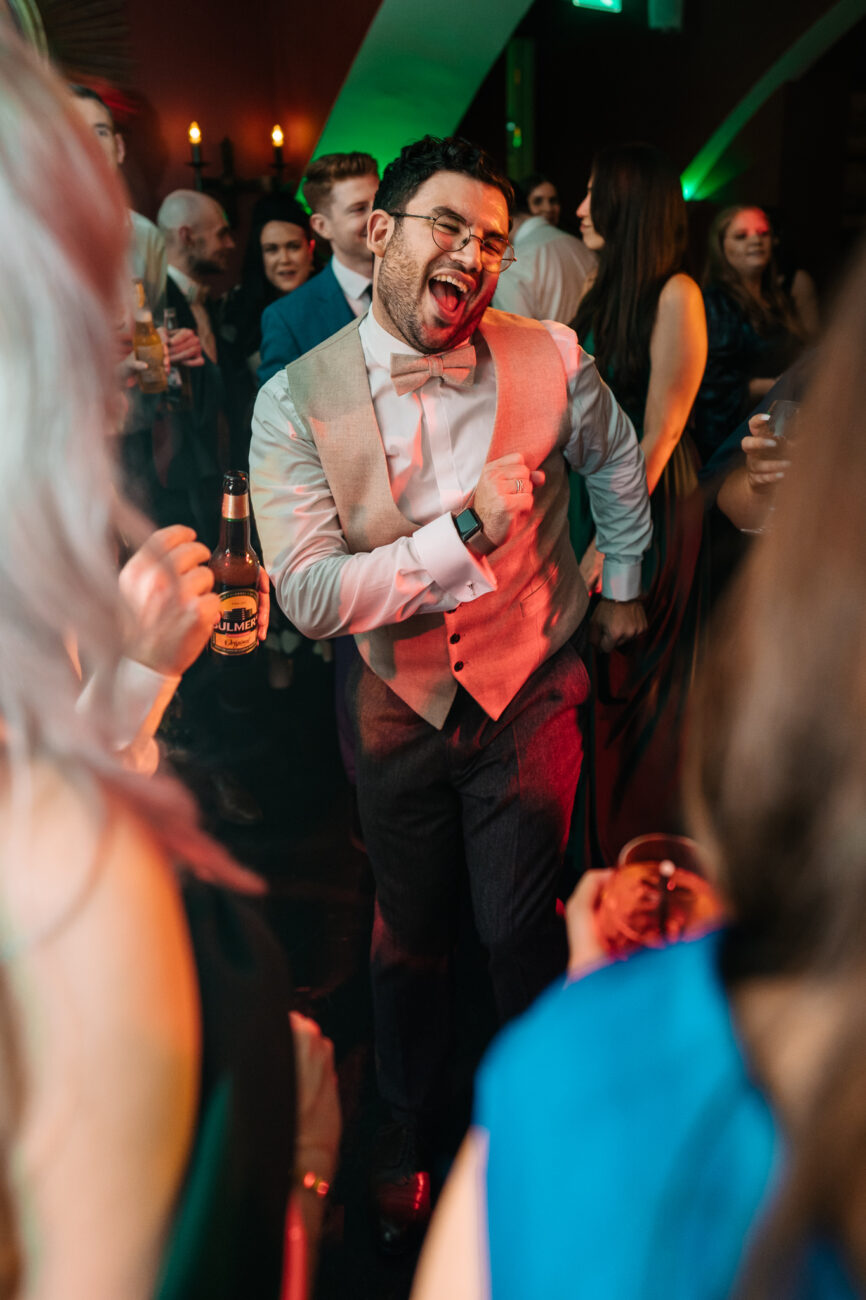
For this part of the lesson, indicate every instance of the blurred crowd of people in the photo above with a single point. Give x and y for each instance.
(488, 462)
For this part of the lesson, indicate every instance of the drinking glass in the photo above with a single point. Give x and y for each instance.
(180, 392)
(782, 423)
(656, 895)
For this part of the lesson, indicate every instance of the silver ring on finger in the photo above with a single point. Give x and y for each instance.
(518, 485)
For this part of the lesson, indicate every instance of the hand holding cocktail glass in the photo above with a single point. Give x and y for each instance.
(767, 448)
(657, 894)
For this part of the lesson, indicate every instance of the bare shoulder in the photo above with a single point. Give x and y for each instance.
(681, 293)
(103, 1000)
(680, 319)
(87, 889)
(68, 844)
(678, 354)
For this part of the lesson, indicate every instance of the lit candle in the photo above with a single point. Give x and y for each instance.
(277, 138)
(194, 134)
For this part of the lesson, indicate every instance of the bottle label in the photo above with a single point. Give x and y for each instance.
(152, 353)
(236, 632)
(236, 505)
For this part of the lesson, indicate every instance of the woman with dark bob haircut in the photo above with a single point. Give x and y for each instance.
(643, 319)
(278, 259)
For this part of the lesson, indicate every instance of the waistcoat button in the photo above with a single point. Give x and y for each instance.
(454, 638)
(458, 666)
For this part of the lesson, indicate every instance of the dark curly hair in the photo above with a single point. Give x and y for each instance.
(417, 162)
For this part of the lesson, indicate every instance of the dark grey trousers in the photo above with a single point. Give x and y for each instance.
(493, 799)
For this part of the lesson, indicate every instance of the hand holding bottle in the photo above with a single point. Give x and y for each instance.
(237, 578)
(184, 348)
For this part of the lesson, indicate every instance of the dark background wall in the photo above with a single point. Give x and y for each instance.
(599, 78)
(602, 78)
(236, 69)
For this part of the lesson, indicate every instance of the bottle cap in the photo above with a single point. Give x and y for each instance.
(235, 482)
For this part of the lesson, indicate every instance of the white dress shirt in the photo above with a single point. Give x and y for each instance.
(436, 441)
(546, 281)
(196, 295)
(356, 287)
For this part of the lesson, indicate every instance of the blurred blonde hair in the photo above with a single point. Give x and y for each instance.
(65, 278)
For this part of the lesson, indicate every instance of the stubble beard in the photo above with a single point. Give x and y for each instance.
(202, 268)
(403, 308)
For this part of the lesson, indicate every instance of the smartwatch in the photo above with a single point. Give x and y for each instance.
(468, 525)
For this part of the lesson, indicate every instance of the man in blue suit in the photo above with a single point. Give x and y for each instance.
(339, 191)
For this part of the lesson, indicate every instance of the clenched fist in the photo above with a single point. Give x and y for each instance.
(504, 493)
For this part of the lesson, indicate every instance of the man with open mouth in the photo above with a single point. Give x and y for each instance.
(410, 483)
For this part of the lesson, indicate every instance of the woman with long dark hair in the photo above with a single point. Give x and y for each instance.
(643, 319)
(691, 1122)
(755, 331)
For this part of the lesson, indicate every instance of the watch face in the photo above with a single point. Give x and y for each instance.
(468, 524)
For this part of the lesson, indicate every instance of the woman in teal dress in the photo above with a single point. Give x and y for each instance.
(644, 321)
(690, 1124)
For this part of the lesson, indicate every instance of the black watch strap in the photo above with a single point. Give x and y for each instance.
(468, 524)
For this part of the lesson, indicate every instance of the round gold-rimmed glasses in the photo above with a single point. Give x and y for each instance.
(451, 234)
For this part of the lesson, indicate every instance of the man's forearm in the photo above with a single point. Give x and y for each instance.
(620, 506)
(338, 593)
(323, 588)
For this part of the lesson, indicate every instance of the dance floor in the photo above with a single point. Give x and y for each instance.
(320, 905)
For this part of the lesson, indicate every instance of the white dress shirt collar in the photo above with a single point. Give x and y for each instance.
(378, 343)
(353, 283)
(191, 289)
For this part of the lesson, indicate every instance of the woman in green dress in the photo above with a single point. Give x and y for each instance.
(644, 321)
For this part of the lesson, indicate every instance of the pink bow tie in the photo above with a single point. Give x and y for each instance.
(457, 368)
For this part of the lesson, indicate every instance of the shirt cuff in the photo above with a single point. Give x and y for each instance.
(140, 693)
(450, 563)
(620, 579)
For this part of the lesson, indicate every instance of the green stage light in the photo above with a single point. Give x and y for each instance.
(413, 77)
(608, 6)
(703, 176)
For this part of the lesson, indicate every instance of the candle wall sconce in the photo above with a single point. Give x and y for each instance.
(228, 185)
(278, 165)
